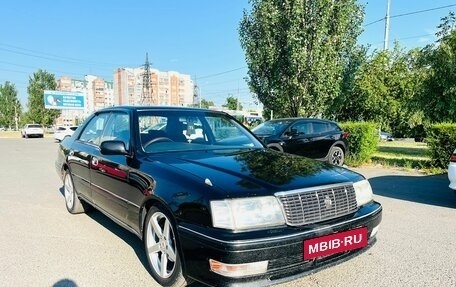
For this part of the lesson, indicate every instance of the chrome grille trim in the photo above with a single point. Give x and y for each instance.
(311, 205)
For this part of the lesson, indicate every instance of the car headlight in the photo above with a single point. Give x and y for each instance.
(247, 213)
(363, 192)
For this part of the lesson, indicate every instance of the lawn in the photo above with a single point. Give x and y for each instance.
(407, 154)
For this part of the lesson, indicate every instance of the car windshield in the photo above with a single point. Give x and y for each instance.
(162, 131)
(271, 127)
(34, 126)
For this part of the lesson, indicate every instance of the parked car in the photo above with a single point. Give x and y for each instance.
(313, 138)
(452, 171)
(219, 208)
(32, 130)
(385, 136)
(62, 132)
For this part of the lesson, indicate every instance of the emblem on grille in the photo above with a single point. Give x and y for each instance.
(328, 202)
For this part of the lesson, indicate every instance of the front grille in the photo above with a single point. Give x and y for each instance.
(318, 204)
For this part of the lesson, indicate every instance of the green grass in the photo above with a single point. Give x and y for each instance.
(404, 154)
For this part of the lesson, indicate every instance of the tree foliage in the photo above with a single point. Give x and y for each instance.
(295, 51)
(38, 82)
(206, 104)
(438, 96)
(10, 107)
(382, 90)
(232, 103)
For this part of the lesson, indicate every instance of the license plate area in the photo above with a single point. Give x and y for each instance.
(335, 243)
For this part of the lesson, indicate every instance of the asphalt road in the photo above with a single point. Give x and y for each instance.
(41, 244)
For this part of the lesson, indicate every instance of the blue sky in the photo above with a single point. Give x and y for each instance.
(199, 38)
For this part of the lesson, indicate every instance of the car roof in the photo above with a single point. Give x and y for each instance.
(301, 118)
(155, 108)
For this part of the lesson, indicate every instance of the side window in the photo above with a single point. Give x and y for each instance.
(333, 127)
(223, 129)
(319, 128)
(303, 128)
(93, 130)
(118, 128)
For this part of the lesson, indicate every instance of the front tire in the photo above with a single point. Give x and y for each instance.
(72, 201)
(162, 249)
(336, 156)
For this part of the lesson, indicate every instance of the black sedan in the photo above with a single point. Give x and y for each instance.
(315, 138)
(211, 203)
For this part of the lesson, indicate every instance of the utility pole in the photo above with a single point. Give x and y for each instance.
(387, 23)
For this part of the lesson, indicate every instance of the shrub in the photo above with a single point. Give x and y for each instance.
(362, 141)
(441, 140)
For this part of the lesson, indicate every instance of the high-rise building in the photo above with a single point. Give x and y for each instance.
(166, 88)
(98, 94)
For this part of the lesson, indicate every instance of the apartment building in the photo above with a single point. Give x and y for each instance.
(165, 88)
(98, 94)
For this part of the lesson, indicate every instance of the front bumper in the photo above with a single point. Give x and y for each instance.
(282, 248)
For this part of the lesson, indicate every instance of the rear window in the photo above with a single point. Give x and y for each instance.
(35, 126)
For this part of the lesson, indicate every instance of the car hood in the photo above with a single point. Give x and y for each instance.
(258, 171)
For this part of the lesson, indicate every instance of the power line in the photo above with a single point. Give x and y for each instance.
(404, 38)
(422, 11)
(411, 13)
(49, 56)
(221, 73)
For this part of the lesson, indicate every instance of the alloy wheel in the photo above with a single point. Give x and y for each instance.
(161, 245)
(69, 192)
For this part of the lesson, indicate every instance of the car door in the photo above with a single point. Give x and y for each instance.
(82, 150)
(323, 137)
(299, 138)
(110, 173)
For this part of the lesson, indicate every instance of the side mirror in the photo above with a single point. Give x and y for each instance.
(113, 148)
(292, 132)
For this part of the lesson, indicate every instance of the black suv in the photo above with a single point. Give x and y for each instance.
(313, 138)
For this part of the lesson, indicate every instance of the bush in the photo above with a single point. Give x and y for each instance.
(441, 140)
(362, 141)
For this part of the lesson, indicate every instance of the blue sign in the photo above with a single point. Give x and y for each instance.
(63, 100)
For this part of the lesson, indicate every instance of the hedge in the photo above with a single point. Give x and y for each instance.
(441, 140)
(362, 141)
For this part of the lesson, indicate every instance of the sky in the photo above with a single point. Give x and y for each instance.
(195, 37)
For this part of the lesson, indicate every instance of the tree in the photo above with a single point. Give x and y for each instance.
(383, 91)
(205, 104)
(232, 103)
(341, 107)
(10, 107)
(295, 51)
(439, 60)
(40, 81)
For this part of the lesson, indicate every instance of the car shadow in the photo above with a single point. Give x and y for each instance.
(128, 237)
(432, 190)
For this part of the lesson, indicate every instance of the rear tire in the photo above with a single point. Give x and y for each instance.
(162, 249)
(72, 201)
(336, 156)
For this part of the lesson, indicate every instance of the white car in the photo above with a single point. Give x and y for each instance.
(62, 132)
(32, 130)
(452, 171)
